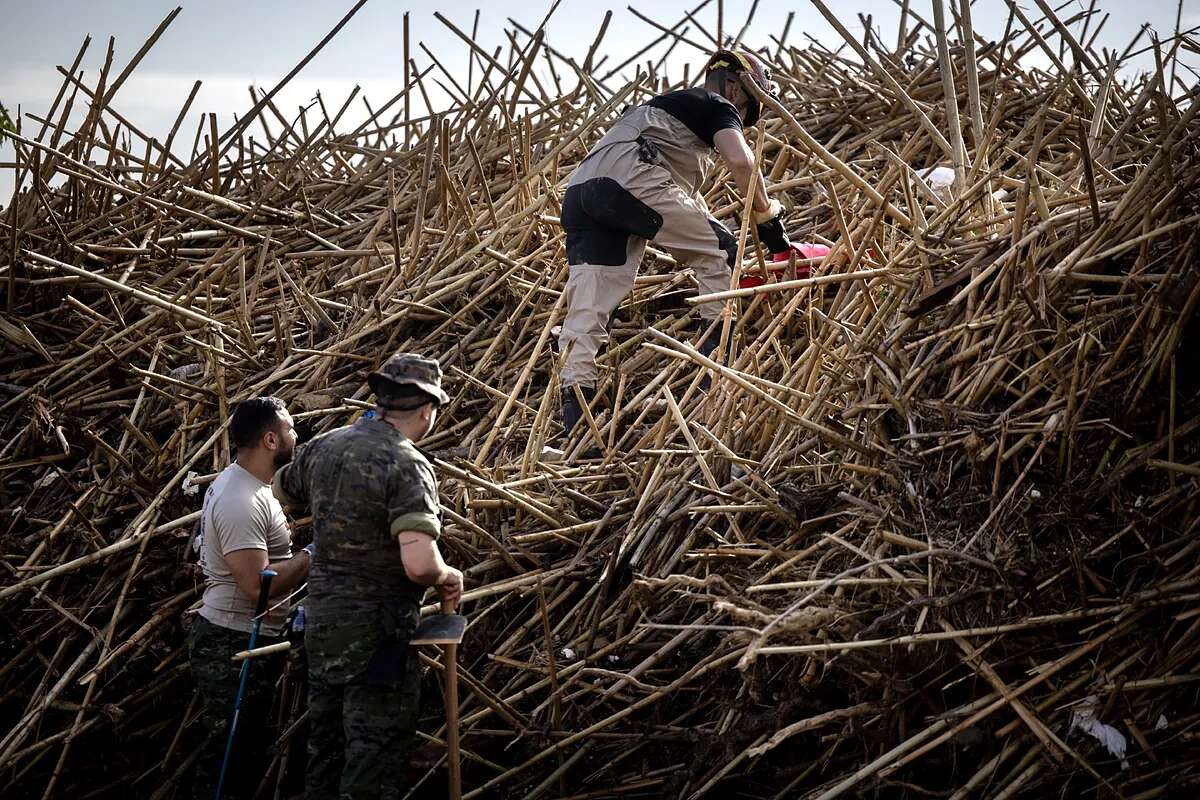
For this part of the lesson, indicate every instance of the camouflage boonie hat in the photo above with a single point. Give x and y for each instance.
(413, 370)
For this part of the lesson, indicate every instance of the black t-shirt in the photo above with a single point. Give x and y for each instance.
(702, 111)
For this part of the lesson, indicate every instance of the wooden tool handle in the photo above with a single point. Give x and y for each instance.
(266, 650)
(449, 606)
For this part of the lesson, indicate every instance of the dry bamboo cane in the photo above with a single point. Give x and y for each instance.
(940, 389)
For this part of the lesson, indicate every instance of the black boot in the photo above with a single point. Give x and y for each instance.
(710, 342)
(571, 411)
(707, 346)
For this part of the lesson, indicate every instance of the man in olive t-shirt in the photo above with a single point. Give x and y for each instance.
(376, 521)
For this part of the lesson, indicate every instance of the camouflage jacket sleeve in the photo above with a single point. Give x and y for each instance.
(290, 484)
(412, 500)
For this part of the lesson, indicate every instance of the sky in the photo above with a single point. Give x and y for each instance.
(230, 45)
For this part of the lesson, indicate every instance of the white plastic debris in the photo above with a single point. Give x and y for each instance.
(940, 179)
(49, 477)
(188, 371)
(1162, 724)
(1084, 717)
(189, 486)
(568, 654)
(1035, 494)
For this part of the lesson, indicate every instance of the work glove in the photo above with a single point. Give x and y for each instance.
(770, 228)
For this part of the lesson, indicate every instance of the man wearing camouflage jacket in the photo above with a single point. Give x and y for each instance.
(376, 521)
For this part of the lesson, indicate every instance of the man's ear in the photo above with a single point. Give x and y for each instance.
(270, 440)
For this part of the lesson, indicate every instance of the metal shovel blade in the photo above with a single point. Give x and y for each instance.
(440, 629)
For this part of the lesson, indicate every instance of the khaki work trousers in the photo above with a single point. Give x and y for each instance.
(687, 231)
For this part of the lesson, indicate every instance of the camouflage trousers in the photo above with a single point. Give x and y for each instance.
(363, 704)
(210, 650)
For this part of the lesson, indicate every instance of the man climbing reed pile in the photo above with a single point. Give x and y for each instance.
(639, 184)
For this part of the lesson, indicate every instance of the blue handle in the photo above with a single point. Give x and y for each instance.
(264, 591)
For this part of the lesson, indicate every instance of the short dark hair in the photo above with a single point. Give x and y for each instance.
(402, 397)
(254, 417)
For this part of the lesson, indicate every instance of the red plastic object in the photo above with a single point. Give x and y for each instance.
(803, 250)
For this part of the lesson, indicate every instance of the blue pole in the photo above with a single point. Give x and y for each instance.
(264, 596)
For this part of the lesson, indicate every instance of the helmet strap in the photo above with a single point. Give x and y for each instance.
(753, 104)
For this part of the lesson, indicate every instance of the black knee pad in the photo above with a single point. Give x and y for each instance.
(595, 245)
(725, 240)
(599, 216)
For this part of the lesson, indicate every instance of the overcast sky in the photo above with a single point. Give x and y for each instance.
(230, 45)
